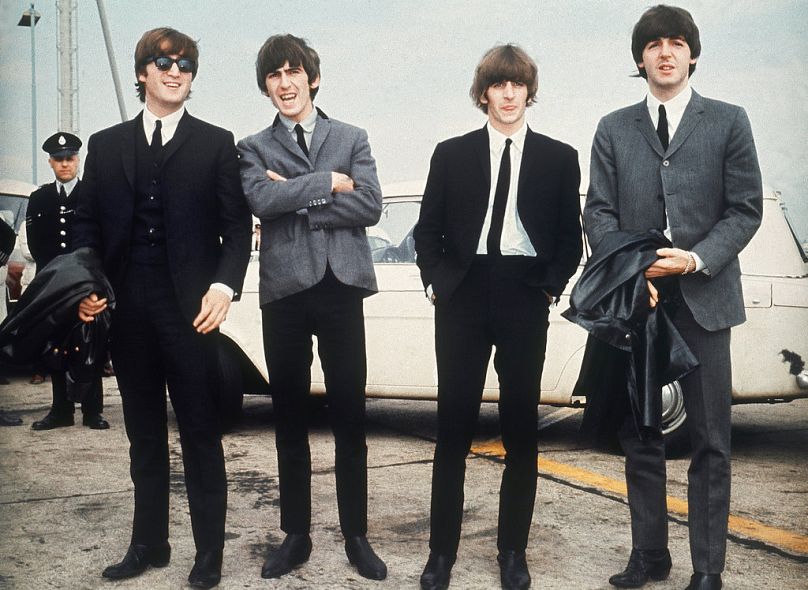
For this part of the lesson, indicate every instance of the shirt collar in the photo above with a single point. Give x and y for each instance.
(307, 124)
(69, 186)
(496, 140)
(674, 108)
(170, 123)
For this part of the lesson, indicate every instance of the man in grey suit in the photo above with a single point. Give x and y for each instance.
(312, 182)
(688, 165)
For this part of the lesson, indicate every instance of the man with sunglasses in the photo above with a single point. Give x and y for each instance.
(162, 205)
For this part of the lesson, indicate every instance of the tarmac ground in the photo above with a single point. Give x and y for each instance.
(66, 502)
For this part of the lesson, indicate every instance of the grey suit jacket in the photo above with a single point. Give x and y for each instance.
(708, 180)
(296, 246)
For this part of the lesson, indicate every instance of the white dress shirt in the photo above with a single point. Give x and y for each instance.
(170, 123)
(515, 241)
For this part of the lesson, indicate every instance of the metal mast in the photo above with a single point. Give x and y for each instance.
(68, 81)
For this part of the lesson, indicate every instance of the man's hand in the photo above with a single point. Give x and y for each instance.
(275, 176)
(671, 261)
(341, 183)
(91, 306)
(654, 294)
(215, 305)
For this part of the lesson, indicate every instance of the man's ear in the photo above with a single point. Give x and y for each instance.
(315, 84)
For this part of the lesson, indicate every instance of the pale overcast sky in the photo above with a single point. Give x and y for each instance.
(402, 70)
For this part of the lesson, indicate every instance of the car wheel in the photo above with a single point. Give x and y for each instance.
(674, 421)
(231, 387)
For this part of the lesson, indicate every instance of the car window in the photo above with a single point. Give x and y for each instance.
(17, 205)
(391, 239)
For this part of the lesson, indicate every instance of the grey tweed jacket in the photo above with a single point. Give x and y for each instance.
(305, 227)
(708, 180)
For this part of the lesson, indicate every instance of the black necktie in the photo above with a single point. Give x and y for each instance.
(301, 140)
(157, 136)
(500, 200)
(62, 193)
(662, 127)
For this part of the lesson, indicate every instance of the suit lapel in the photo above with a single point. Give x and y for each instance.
(643, 122)
(690, 120)
(529, 154)
(481, 148)
(128, 139)
(283, 137)
(321, 130)
(184, 130)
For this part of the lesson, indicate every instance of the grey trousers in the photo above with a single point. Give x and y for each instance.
(708, 401)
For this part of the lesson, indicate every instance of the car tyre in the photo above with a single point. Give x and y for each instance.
(230, 395)
(675, 427)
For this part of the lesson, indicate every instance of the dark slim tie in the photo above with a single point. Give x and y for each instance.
(62, 193)
(662, 127)
(500, 200)
(301, 139)
(157, 136)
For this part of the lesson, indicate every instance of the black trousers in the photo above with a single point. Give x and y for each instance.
(491, 307)
(708, 401)
(333, 312)
(154, 346)
(92, 404)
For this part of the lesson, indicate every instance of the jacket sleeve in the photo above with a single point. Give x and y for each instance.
(235, 222)
(601, 208)
(568, 247)
(429, 231)
(270, 199)
(743, 199)
(361, 207)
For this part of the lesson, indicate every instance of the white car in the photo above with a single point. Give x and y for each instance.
(400, 327)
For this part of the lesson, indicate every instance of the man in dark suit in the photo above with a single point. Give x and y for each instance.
(49, 226)
(312, 182)
(163, 206)
(686, 164)
(498, 237)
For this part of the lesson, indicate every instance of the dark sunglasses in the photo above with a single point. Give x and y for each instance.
(164, 63)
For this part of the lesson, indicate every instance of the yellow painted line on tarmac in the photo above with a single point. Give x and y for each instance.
(786, 540)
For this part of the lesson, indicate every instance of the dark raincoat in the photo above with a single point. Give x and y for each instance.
(44, 323)
(633, 350)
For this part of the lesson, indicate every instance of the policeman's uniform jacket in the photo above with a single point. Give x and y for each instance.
(49, 222)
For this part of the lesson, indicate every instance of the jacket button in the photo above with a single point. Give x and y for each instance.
(62, 207)
(63, 245)
(628, 336)
(61, 220)
(666, 163)
(63, 233)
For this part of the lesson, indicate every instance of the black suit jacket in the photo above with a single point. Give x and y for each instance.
(48, 226)
(456, 200)
(208, 225)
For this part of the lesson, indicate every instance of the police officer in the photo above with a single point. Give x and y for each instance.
(48, 223)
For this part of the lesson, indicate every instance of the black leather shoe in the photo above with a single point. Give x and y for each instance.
(95, 422)
(137, 559)
(513, 572)
(207, 570)
(51, 421)
(437, 572)
(653, 564)
(364, 559)
(704, 582)
(294, 551)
